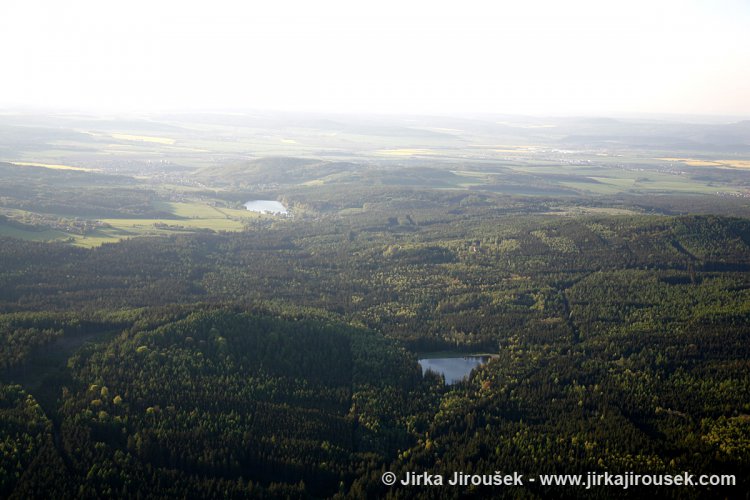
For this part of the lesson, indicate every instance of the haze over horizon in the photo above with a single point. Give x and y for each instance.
(537, 58)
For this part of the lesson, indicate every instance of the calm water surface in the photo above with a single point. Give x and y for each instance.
(266, 207)
(454, 368)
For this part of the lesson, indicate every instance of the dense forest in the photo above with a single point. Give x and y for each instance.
(386, 250)
(281, 361)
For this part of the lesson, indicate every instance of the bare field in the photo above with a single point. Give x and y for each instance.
(52, 166)
(710, 163)
(144, 138)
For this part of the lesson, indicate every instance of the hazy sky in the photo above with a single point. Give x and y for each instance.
(411, 56)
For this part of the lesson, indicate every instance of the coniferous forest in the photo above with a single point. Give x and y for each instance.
(159, 341)
(281, 361)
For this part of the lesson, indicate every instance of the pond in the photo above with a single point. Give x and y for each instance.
(267, 207)
(453, 366)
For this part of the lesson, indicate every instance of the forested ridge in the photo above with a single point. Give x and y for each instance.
(280, 361)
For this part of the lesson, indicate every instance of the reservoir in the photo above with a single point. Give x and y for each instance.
(267, 207)
(454, 367)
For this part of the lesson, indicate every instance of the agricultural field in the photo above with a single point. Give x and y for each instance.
(159, 339)
(179, 217)
(91, 181)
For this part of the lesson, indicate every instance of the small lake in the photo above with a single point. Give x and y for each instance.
(454, 367)
(267, 207)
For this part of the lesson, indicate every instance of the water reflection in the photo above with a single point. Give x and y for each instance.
(266, 207)
(453, 368)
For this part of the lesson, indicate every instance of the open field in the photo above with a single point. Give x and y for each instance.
(186, 217)
(182, 173)
(710, 163)
(405, 152)
(144, 138)
(174, 344)
(36, 235)
(152, 226)
(52, 166)
(576, 211)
